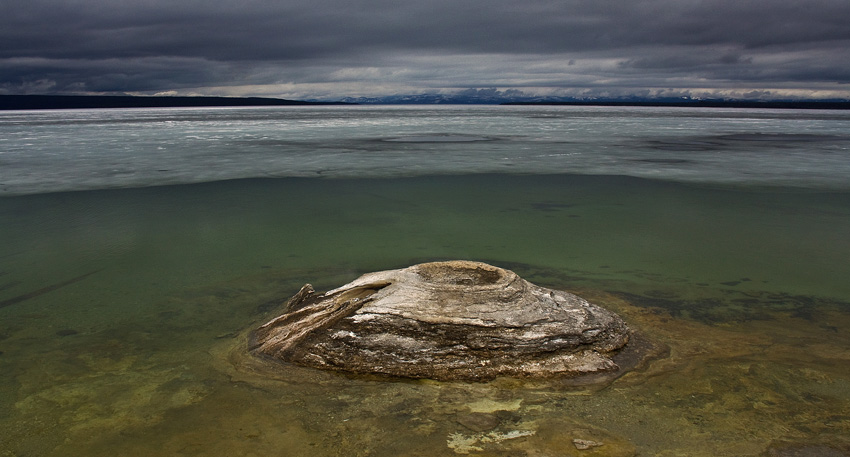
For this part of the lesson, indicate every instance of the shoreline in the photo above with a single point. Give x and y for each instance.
(44, 102)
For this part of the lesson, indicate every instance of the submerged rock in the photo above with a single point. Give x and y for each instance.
(479, 422)
(784, 449)
(445, 320)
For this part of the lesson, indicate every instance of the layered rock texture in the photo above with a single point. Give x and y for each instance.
(456, 320)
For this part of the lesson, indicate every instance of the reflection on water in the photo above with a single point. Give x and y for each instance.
(125, 315)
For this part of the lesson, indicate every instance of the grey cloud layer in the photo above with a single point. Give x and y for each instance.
(87, 45)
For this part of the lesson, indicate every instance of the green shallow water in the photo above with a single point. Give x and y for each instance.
(122, 316)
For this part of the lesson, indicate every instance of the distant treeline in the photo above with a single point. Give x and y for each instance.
(704, 104)
(25, 102)
(34, 102)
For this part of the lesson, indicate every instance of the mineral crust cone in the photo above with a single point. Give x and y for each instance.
(456, 320)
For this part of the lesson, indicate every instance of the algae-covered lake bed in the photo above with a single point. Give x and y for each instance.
(124, 314)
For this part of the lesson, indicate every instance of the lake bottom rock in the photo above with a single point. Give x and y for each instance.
(453, 320)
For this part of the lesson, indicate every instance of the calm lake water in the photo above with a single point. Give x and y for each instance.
(137, 248)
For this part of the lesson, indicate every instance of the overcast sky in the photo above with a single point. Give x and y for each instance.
(338, 48)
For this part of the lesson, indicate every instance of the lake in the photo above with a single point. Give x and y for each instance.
(138, 247)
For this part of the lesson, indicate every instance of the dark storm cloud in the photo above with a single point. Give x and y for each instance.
(153, 45)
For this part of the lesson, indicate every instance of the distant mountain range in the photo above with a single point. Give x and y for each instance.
(466, 97)
(501, 98)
